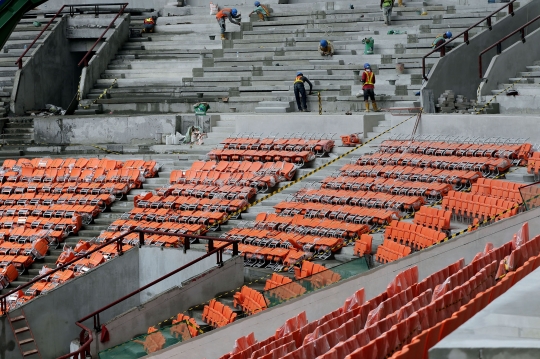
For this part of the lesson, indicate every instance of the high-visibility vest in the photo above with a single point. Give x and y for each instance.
(369, 78)
(298, 79)
(221, 13)
(149, 21)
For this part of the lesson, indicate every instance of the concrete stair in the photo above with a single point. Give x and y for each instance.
(275, 107)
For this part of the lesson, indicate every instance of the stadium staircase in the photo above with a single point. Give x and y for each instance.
(251, 71)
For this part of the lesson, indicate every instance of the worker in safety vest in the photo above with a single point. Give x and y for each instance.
(231, 14)
(440, 40)
(300, 91)
(149, 24)
(368, 79)
(326, 48)
(386, 6)
(261, 10)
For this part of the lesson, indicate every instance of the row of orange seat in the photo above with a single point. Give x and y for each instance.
(148, 168)
(431, 217)
(217, 314)
(469, 205)
(500, 189)
(360, 198)
(318, 146)
(390, 251)
(382, 326)
(299, 158)
(450, 148)
(418, 237)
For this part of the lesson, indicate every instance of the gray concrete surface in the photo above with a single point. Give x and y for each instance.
(105, 53)
(458, 70)
(50, 76)
(52, 316)
(509, 327)
(507, 64)
(202, 288)
(310, 123)
(264, 324)
(169, 260)
(482, 126)
(97, 129)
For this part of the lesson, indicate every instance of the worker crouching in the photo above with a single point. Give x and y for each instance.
(232, 14)
(149, 24)
(326, 48)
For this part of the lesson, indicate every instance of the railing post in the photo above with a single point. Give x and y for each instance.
(219, 255)
(480, 65)
(499, 48)
(235, 249)
(424, 68)
(210, 245)
(488, 20)
(97, 323)
(466, 37)
(3, 305)
(186, 244)
(522, 35)
(119, 247)
(443, 50)
(141, 239)
(511, 9)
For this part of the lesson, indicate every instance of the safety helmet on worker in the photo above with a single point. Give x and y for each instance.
(299, 73)
(448, 35)
(324, 43)
(367, 66)
(234, 12)
(257, 3)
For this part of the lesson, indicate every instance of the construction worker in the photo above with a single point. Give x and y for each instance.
(300, 91)
(386, 6)
(261, 10)
(326, 48)
(149, 24)
(368, 79)
(440, 40)
(223, 14)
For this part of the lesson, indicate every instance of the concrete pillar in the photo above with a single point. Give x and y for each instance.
(208, 62)
(345, 90)
(386, 59)
(427, 101)
(399, 49)
(257, 71)
(412, 39)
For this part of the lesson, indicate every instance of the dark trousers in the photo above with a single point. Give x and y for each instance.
(300, 91)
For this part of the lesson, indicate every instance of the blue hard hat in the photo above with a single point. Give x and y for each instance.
(448, 35)
(367, 66)
(257, 3)
(299, 73)
(234, 12)
(324, 43)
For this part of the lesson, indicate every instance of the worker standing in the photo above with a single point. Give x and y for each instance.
(149, 24)
(261, 11)
(300, 91)
(326, 48)
(231, 14)
(368, 79)
(386, 6)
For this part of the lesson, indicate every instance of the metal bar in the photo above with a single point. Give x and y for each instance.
(457, 36)
(37, 279)
(154, 282)
(466, 37)
(498, 43)
(20, 59)
(141, 239)
(85, 59)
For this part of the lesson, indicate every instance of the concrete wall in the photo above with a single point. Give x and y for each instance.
(52, 316)
(485, 126)
(507, 328)
(340, 124)
(264, 324)
(106, 52)
(169, 260)
(48, 77)
(507, 64)
(199, 290)
(458, 70)
(92, 130)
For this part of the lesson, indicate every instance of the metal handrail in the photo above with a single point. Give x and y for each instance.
(465, 34)
(72, 11)
(85, 59)
(84, 348)
(498, 44)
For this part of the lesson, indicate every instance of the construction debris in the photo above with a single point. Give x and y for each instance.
(449, 102)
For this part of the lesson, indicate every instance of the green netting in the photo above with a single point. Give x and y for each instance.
(148, 343)
(317, 281)
(531, 195)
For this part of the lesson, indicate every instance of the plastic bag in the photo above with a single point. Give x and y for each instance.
(521, 237)
(375, 315)
(355, 300)
(243, 343)
(402, 281)
(291, 325)
(441, 289)
(213, 8)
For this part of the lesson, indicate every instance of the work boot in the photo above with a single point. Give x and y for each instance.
(223, 37)
(375, 108)
(367, 106)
